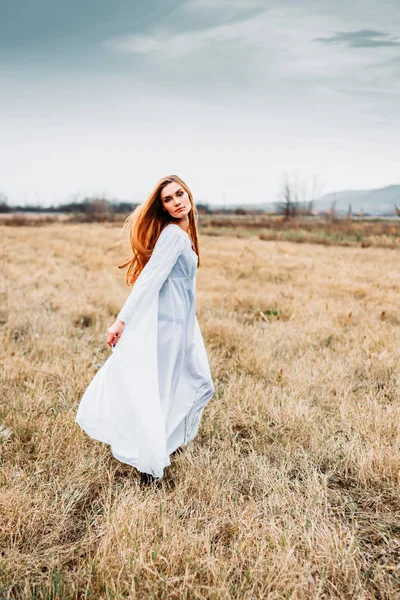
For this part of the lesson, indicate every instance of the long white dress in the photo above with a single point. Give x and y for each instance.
(148, 397)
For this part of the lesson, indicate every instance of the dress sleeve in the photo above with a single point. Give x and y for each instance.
(168, 247)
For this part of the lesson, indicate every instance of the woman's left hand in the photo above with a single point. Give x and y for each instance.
(114, 332)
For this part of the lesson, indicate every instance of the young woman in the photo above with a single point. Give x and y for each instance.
(146, 401)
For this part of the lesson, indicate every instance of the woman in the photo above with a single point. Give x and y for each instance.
(147, 399)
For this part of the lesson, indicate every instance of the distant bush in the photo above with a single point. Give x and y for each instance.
(99, 209)
(4, 208)
(27, 220)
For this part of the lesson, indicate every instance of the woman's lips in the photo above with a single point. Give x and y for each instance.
(179, 209)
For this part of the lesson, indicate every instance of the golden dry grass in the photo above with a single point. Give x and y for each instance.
(363, 233)
(290, 489)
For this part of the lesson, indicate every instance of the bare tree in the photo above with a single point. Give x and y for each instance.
(316, 191)
(98, 209)
(4, 207)
(350, 212)
(288, 206)
(295, 199)
(332, 211)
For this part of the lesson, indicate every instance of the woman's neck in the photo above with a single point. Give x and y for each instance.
(184, 223)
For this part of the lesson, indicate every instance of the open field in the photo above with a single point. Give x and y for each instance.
(355, 232)
(364, 233)
(291, 488)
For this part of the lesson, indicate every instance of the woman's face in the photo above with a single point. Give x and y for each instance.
(175, 200)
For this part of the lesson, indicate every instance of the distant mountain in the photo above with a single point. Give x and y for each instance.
(377, 202)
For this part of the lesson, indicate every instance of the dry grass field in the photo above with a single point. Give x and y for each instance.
(363, 233)
(291, 488)
(341, 231)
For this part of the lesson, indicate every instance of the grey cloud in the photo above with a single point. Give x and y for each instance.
(363, 38)
(44, 26)
(203, 15)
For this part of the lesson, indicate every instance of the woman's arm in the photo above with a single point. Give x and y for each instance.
(168, 247)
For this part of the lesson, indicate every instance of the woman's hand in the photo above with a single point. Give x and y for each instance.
(114, 332)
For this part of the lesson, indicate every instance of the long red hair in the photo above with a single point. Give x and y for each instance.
(146, 223)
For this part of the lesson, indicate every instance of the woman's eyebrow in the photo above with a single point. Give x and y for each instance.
(165, 197)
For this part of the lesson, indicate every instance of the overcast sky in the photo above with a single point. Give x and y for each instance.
(108, 96)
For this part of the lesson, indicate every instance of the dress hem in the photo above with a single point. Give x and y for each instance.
(135, 464)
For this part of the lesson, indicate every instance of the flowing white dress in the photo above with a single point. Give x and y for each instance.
(148, 397)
